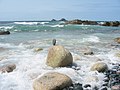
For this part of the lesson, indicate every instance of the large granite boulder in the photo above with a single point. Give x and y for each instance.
(117, 40)
(52, 81)
(62, 19)
(89, 22)
(58, 56)
(100, 67)
(7, 68)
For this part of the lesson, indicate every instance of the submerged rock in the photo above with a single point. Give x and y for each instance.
(52, 81)
(4, 32)
(38, 49)
(58, 56)
(100, 67)
(7, 68)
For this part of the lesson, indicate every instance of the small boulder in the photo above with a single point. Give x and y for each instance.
(7, 68)
(100, 67)
(117, 40)
(38, 49)
(52, 81)
(4, 32)
(58, 56)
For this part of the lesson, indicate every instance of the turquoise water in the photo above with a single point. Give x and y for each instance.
(19, 48)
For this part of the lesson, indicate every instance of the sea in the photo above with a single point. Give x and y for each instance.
(28, 43)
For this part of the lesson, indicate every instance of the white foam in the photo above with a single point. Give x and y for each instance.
(27, 23)
(94, 39)
(6, 27)
(57, 26)
(43, 23)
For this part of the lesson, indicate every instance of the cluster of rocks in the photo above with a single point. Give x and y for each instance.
(58, 56)
(111, 23)
(86, 22)
(112, 78)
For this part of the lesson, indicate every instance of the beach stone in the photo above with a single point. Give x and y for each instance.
(117, 40)
(58, 56)
(115, 87)
(100, 67)
(38, 49)
(7, 68)
(52, 81)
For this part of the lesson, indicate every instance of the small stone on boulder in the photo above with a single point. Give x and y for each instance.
(100, 67)
(58, 56)
(52, 81)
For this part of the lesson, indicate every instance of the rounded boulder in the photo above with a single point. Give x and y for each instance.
(100, 67)
(52, 81)
(58, 56)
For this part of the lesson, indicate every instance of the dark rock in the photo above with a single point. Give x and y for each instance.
(53, 20)
(4, 32)
(87, 85)
(7, 68)
(112, 23)
(62, 19)
(76, 21)
(77, 86)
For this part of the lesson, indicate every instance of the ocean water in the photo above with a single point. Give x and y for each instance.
(19, 48)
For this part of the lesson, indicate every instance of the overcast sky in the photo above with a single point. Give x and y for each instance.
(69, 9)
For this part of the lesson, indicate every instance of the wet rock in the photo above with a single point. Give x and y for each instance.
(112, 23)
(7, 68)
(117, 40)
(58, 56)
(52, 81)
(100, 67)
(4, 32)
(38, 49)
(87, 85)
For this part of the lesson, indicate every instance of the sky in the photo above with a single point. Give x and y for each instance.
(101, 10)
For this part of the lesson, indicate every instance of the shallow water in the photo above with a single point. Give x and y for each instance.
(19, 48)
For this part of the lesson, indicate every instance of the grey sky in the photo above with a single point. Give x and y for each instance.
(69, 9)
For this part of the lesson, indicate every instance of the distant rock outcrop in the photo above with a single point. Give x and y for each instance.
(85, 22)
(111, 23)
(53, 20)
(62, 19)
(4, 32)
(52, 81)
(58, 56)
